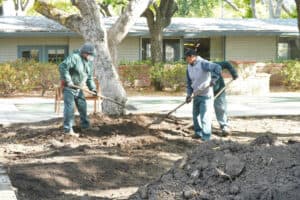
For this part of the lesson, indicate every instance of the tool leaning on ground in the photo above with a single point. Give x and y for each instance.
(100, 96)
(157, 121)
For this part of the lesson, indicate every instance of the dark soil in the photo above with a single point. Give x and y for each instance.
(122, 154)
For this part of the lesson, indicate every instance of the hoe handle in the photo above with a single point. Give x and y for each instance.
(93, 93)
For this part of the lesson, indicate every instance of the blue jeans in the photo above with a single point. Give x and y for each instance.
(71, 97)
(202, 108)
(220, 105)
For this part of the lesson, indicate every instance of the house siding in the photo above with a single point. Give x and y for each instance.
(9, 46)
(216, 48)
(251, 48)
(8, 49)
(128, 50)
(75, 43)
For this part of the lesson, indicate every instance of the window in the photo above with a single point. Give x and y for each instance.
(30, 52)
(201, 45)
(283, 51)
(171, 49)
(43, 53)
(56, 54)
(288, 48)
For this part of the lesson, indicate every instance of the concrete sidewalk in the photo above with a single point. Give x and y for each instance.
(18, 110)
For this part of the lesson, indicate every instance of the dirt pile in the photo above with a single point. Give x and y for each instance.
(265, 169)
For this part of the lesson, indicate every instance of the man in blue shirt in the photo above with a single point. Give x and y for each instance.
(201, 76)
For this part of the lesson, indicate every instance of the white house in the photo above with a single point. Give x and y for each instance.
(216, 39)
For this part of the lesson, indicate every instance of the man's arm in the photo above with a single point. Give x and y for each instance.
(214, 68)
(230, 68)
(90, 79)
(64, 70)
(189, 89)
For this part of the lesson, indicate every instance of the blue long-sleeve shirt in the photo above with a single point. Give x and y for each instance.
(220, 84)
(199, 76)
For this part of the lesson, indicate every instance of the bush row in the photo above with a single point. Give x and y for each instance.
(160, 76)
(25, 76)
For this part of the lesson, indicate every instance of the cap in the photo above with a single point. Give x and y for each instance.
(88, 48)
(190, 52)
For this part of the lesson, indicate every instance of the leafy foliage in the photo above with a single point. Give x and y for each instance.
(135, 71)
(196, 8)
(291, 73)
(24, 76)
(168, 75)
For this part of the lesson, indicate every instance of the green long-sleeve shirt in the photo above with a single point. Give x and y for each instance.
(78, 71)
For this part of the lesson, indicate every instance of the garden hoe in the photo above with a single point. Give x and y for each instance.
(159, 120)
(100, 96)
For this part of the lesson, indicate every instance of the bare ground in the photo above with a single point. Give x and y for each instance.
(121, 155)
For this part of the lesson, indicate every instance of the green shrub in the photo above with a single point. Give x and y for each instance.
(129, 73)
(168, 75)
(8, 80)
(291, 73)
(156, 76)
(25, 76)
(174, 76)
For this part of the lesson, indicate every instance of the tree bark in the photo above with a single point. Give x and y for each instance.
(298, 12)
(253, 8)
(278, 8)
(232, 5)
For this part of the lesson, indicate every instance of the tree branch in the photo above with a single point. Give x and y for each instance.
(72, 22)
(232, 5)
(133, 11)
(286, 10)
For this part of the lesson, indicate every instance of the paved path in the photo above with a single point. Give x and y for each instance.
(14, 110)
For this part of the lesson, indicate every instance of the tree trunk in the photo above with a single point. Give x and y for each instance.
(271, 11)
(158, 18)
(253, 8)
(156, 42)
(298, 12)
(278, 8)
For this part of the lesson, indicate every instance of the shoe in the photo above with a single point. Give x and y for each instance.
(72, 133)
(225, 131)
(197, 135)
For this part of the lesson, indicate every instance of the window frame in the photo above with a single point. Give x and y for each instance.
(43, 49)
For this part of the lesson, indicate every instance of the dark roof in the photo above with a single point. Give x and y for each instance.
(185, 27)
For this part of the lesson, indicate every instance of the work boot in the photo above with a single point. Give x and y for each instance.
(225, 131)
(71, 133)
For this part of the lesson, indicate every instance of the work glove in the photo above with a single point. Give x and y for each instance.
(188, 99)
(235, 77)
(95, 93)
(212, 83)
(70, 84)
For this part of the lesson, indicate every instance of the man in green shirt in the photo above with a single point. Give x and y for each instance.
(77, 70)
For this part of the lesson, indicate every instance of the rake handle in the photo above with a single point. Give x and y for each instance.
(220, 92)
